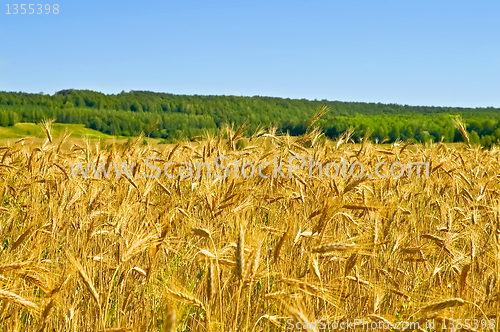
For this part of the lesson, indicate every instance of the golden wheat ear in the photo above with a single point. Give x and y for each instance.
(321, 112)
(461, 128)
(46, 126)
(19, 300)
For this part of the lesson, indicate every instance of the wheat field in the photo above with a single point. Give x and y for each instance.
(236, 254)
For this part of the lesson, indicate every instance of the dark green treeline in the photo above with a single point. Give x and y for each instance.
(180, 116)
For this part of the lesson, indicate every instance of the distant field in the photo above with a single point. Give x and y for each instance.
(21, 130)
(36, 137)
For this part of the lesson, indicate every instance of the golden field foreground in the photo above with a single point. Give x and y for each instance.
(236, 254)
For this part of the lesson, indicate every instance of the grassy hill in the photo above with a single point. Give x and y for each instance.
(21, 130)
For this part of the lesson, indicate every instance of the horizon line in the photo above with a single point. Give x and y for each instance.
(248, 96)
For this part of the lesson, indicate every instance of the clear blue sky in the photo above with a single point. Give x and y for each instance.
(438, 52)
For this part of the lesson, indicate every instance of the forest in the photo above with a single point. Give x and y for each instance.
(172, 117)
